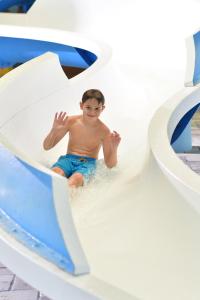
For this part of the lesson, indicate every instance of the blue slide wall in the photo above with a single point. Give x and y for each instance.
(17, 50)
(196, 76)
(27, 209)
(181, 127)
(6, 4)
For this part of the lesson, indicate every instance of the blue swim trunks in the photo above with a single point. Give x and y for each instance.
(71, 163)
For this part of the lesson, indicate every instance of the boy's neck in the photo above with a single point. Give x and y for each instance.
(90, 122)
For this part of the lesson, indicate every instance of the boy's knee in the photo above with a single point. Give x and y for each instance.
(76, 180)
(78, 175)
(58, 171)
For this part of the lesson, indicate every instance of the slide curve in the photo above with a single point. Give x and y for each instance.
(131, 234)
(5, 5)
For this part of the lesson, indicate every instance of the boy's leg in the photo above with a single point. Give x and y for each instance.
(82, 174)
(58, 171)
(76, 180)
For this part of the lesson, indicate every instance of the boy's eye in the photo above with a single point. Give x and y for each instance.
(95, 108)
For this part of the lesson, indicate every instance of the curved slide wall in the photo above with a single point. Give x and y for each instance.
(37, 97)
(143, 236)
(36, 185)
(26, 49)
(192, 77)
(6, 4)
(181, 139)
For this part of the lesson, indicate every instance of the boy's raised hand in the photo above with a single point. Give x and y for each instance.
(115, 139)
(60, 120)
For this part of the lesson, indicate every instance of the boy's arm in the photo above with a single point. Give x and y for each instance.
(110, 146)
(59, 129)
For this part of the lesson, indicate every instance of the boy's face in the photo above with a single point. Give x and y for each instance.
(91, 108)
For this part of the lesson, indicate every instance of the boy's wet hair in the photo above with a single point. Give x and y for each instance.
(96, 94)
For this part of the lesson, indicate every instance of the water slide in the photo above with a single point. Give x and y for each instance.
(133, 232)
(5, 5)
(26, 49)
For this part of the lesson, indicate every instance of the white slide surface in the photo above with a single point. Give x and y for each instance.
(138, 224)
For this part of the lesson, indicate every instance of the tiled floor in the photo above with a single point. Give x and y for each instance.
(192, 160)
(13, 288)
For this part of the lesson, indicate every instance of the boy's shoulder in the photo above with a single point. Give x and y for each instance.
(72, 119)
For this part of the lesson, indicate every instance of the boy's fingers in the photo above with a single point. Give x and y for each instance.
(63, 115)
(115, 132)
(116, 137)
(60, 114)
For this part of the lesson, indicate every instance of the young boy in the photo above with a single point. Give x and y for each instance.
(86, 136)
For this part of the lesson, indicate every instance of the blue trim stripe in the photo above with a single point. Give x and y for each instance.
(89, 57)
(26, 49)
(196, 76)
(6, 4)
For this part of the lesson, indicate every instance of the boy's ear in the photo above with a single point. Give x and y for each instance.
(103, 107)
(81, 105)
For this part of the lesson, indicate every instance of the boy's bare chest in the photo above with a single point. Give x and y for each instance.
(85, 134)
